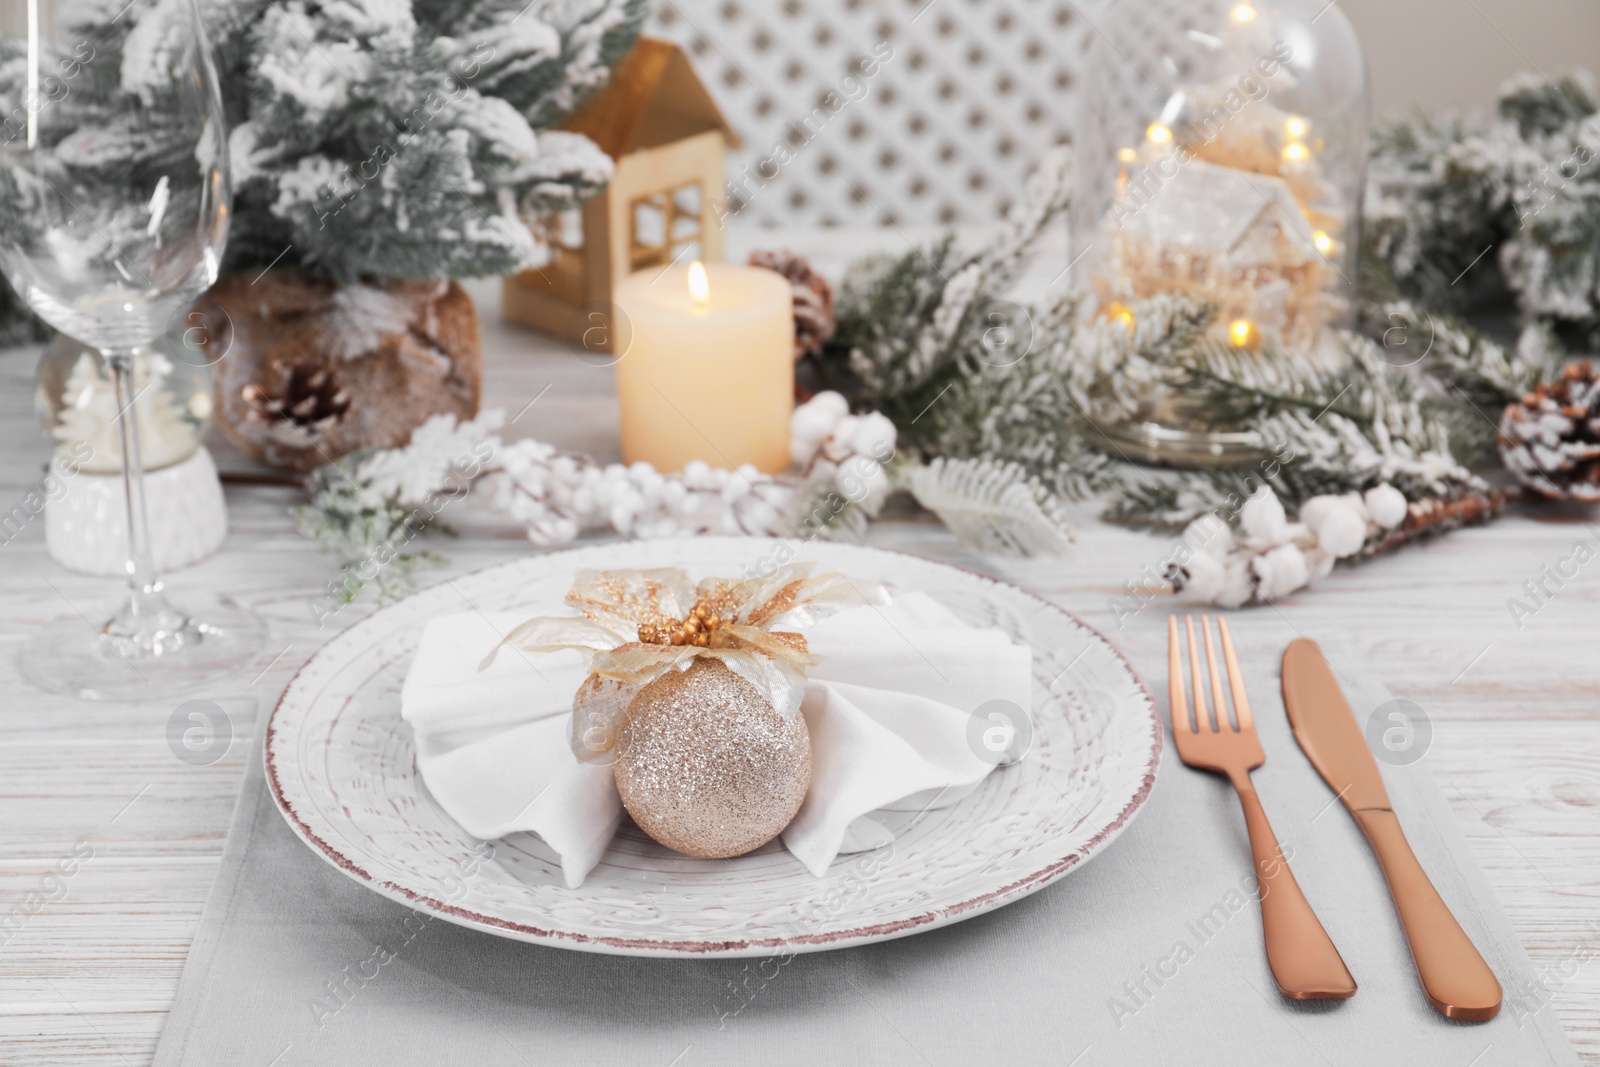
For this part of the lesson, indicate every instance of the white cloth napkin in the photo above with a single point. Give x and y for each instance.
(888, 712)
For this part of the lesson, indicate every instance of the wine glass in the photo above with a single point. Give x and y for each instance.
(114, 206)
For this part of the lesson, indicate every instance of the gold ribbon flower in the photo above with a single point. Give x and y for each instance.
(638, 625)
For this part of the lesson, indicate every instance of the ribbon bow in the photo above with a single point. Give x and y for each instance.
(638, 625)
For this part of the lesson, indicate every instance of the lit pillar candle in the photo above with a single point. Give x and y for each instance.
(707, 368)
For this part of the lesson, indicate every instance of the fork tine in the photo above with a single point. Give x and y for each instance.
(1179, 700)
(1218, 701)
(1202, 717)
(1241, 702)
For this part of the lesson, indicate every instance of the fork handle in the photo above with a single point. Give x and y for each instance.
(1304, 961)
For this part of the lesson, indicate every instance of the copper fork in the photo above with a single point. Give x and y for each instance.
(1304, 962)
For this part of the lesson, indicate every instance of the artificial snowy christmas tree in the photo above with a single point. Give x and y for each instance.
(410, 140)
(371, 142)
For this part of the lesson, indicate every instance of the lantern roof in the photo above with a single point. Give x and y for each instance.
(654, 98)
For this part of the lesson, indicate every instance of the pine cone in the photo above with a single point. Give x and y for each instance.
(1550, 439)
(813, 298)
(310, 401)
(309, 370)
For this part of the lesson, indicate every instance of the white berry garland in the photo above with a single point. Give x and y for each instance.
(1271, 556)
(371, 505)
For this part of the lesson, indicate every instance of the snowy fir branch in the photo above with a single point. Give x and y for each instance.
(1404, 410)
(1460, 204)
(910, 325)
(390, 138)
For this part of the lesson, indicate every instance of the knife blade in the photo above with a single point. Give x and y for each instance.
(1327, 730)
(1457, 981)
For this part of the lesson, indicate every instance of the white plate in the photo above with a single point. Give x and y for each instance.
(341, 767)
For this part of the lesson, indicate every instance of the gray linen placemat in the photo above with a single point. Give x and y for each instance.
(1150, 954)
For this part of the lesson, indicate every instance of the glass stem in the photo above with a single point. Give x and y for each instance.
(144, 587)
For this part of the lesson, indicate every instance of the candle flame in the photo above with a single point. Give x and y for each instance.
(699, 284)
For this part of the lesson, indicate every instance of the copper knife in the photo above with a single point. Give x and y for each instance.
(1459, 984)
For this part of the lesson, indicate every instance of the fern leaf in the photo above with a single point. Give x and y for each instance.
(995, 507)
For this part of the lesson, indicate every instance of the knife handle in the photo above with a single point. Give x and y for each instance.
(1302, 956)
(1459, 984)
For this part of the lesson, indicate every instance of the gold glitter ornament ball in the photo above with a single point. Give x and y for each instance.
(707, 766)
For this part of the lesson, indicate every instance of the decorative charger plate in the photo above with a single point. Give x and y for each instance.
(341, 767)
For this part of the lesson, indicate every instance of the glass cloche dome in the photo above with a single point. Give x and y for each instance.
(1221, 154)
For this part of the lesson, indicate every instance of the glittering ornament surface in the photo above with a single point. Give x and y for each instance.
(707, 766)
(694, 691)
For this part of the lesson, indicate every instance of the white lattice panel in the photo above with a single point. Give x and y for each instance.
(944, 131)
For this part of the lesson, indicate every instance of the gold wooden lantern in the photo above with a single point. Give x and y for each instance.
(665, 203)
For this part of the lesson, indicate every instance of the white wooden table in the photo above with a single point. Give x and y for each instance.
(89, 971)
